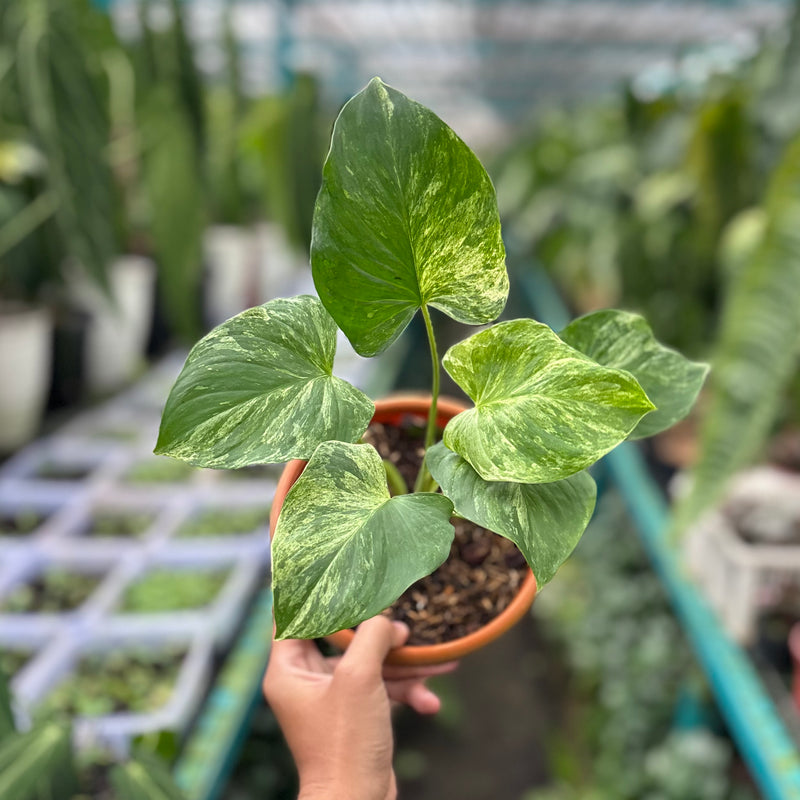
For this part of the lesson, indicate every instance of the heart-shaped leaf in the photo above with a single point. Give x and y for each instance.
(406, 217)
(543, 411)
(344, 550)
(259, 389)
(623, 340)
(544, 520)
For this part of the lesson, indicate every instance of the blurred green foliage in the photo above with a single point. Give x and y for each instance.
(630, 665)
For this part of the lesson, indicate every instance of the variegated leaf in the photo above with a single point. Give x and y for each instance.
(259, 389)
(344, 550)
(543, 411)
(623, 340)
(544, 520)
(406, 217)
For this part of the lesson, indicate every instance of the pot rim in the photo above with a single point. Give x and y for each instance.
(421, 654)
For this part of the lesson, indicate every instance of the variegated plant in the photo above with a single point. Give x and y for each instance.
(407, 219)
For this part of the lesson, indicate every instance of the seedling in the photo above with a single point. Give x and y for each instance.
(406, 220)
(171, 590)
(104, 683)
(54, 591)
(224, 522)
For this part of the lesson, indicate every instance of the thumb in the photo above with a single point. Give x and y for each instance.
(371, 644)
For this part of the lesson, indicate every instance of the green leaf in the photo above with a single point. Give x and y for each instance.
(544, 520)
(344, 550)
(146, 778)
(406, 217)
(259, 389)
(623, 340)
(543, 411)
(38, 764)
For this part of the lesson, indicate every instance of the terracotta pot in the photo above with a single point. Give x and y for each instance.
(391, 411)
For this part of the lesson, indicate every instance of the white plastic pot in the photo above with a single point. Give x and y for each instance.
(229, 254)
(279, 265)
(25, 354)
(118, 330)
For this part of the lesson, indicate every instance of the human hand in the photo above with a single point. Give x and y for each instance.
(335, 712)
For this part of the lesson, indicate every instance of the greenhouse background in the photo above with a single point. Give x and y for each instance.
(159, 165)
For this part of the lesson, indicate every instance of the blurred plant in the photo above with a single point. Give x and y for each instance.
(40, 764)
(758, 346)
(54, 124)
(284, 135)
(629, 664)
(162, 182)
(627, 203)
(173, 590)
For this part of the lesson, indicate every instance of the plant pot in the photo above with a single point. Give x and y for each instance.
(228, 252)
(25, 355)
(118, 330)
(390, 411)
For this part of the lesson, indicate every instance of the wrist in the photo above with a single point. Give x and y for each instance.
(334, 789)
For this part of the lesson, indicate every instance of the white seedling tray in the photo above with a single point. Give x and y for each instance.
(218, 620)
(32, 629)
(115, 732)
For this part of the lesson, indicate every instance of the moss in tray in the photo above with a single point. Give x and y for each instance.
(159, 470)
(20, 521)
(105, 523)
(172, 590)
(52, 591)
(105, 683)
(224, 522)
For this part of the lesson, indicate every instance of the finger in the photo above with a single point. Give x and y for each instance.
(371, 644)
(396, 673)
(414, 694)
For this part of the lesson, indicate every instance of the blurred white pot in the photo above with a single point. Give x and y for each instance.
(118, 330)
(278, 262)
(229, 254)
(25, 353)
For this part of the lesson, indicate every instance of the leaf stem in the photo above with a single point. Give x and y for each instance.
(397, 484)
(423, 477)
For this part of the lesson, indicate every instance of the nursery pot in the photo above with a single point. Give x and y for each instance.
(390, 411)
(118, 329)
(228, 252)
(25, 354)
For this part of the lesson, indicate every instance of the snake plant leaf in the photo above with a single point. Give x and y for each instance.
(259, 389)
(623, 340)
(543, 411)
(344, 550)
(406, 217)
(544, 520)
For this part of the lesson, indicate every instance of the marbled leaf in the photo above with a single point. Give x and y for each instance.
(623, 340)
(259, 389)
(344, 550)
(543, 411)
(544, 520)
(406, 217)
